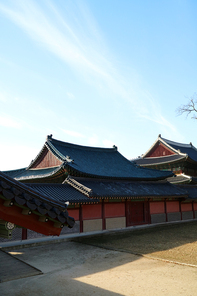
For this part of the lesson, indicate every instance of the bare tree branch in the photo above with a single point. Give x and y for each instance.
(189, 108)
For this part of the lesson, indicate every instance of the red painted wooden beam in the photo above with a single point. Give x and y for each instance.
(14, 214)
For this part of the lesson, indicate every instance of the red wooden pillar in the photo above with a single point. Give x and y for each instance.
(24, 233)
(165, 209)
(193, 210)
(103, 215)
(149, 217)
(180, 209)
(81, 218)
(126, 211)
(146, 212)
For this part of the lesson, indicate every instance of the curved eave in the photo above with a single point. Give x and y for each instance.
(14, 173)
(189, 159)
(182, 179)
(58, 172)
(162, 160)
(162, 175)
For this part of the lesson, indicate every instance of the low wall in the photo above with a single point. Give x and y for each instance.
(92, 225)
(187, 215)
(158, 218)
(115, 223)
(174, 216)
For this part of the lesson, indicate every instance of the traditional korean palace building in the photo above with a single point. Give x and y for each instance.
(104, 189)
(167, 155)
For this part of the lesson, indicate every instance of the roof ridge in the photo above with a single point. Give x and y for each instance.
(50, 140)
(179, 144)
(80, 187)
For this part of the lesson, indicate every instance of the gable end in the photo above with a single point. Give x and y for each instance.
(159, 150)
(46, 160)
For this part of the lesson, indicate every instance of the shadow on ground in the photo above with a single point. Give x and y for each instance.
(107, 264)
(174, 242)
(13, 268)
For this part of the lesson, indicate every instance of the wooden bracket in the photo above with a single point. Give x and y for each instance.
(43, 219)
(26, 212)
(58, 225)
(8, 203)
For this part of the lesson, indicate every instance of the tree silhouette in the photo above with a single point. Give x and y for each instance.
(189, 108)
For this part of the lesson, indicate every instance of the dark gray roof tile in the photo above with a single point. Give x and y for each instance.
(101, 162)
(129, 189)
(62, 193)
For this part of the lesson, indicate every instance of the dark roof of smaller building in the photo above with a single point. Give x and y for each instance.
(44, 204)
(31, 174)
(62, 193)
(15, 173)
(102, 188)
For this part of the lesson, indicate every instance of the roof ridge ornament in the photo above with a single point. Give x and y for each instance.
(68, 159)
(49, 137)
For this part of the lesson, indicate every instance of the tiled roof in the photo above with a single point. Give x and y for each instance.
(180, 149)
(181, 179)
(27, 174)
(103, 188)
(192, 191)
(188, 149)
(62, 193)
(147, 161)
(100, 162)
(33, 200)
(88, 162)
(15, 173)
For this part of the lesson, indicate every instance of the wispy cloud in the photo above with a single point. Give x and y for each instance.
(73, 133)
(70, 95)
(73, 36)
(60, 39)
(7, 121)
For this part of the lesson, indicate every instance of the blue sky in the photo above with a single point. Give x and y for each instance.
(96, 73)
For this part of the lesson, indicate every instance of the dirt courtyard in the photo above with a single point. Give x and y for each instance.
(108, 264)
